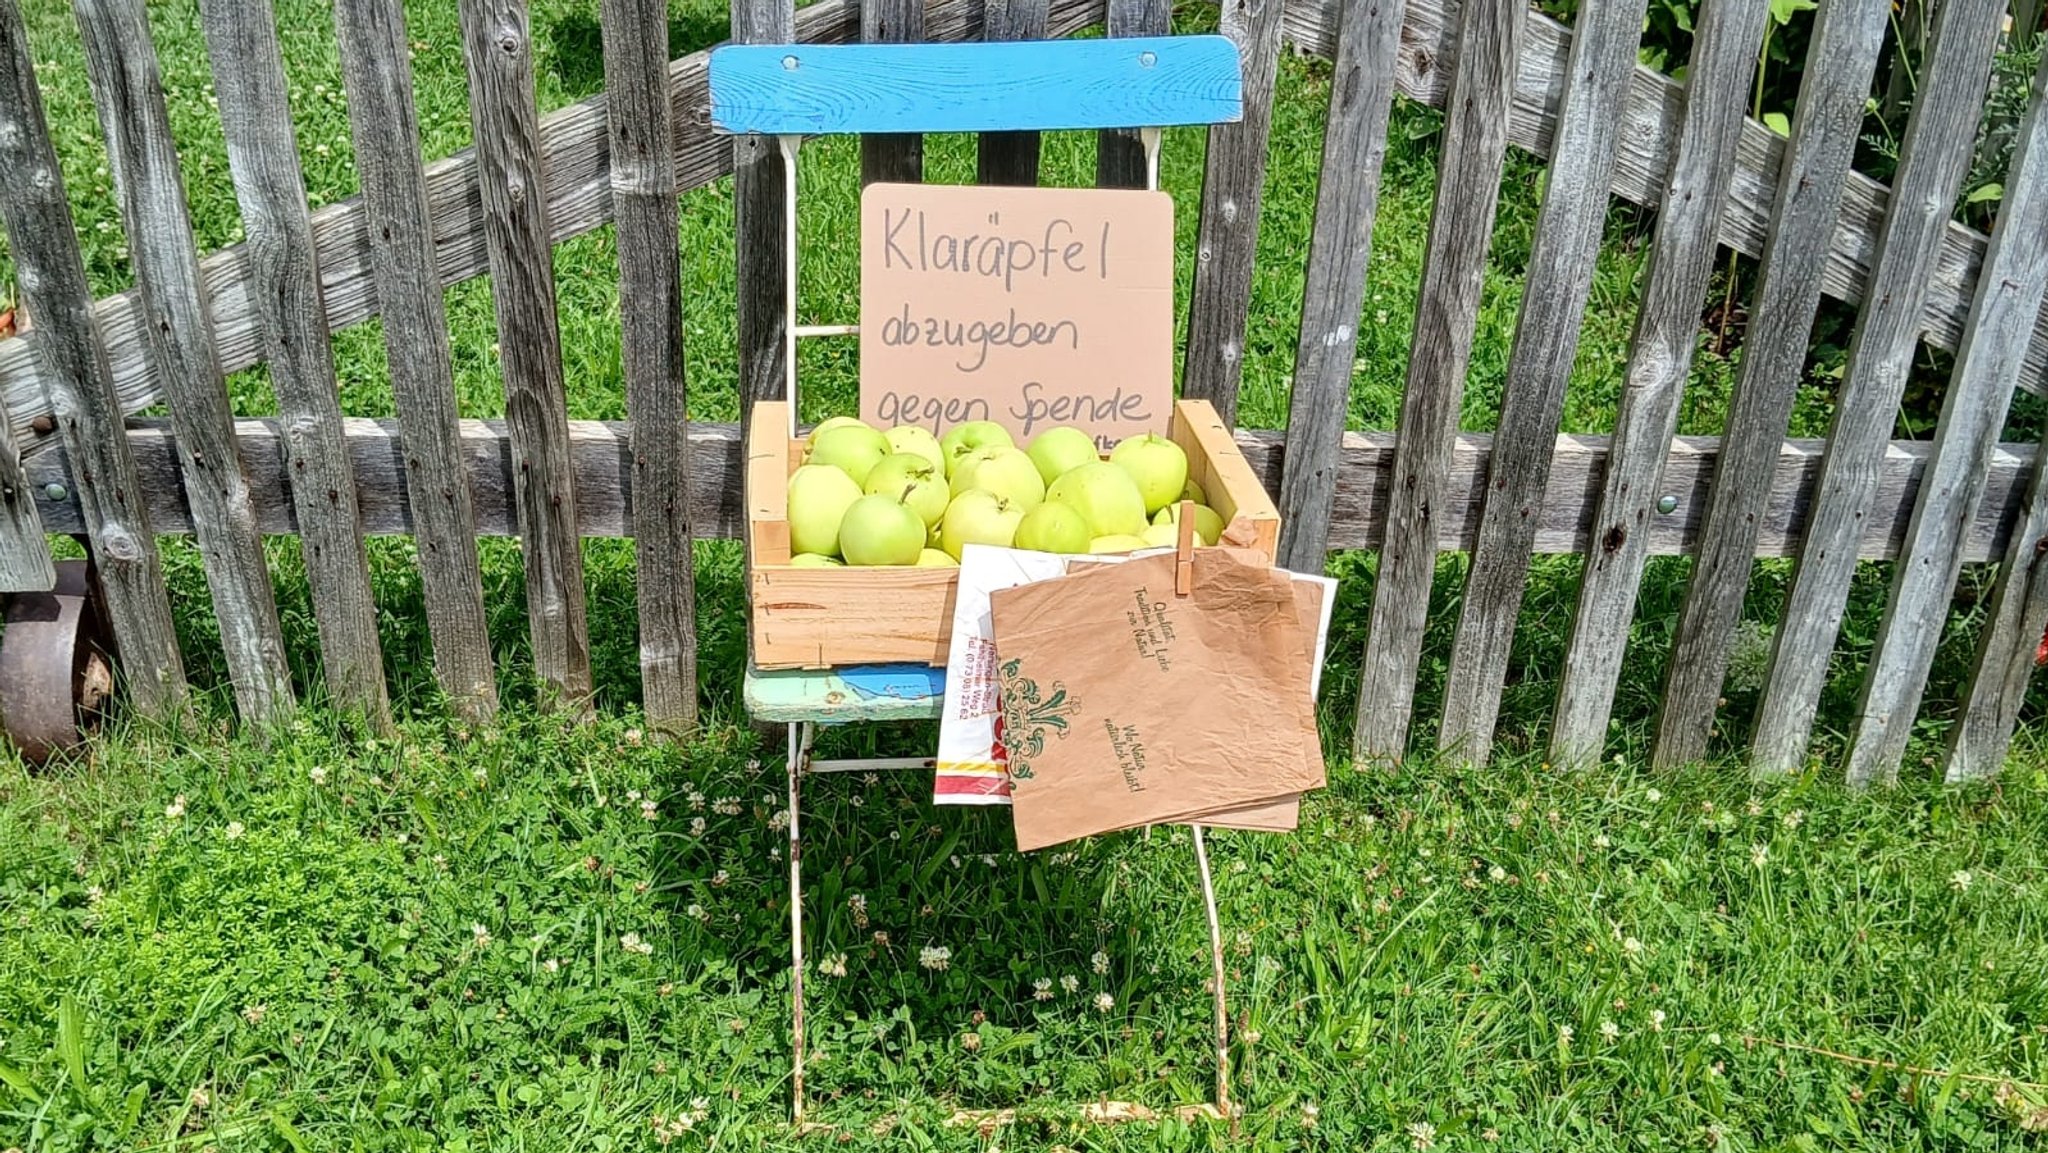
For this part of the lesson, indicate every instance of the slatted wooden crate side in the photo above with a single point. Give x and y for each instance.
(1340, 247)
(127, 86)
(1569, 226)
(1934, 155)
(1469, 168)
(1010, 157)
(643, 177)
(2009, 294)
(1119, 153)
(1840, 59)
(896, 157)
(1233, 192)
(249, 82)
(498, 49)
(51, 276)
(1681, 260)
(376, 71)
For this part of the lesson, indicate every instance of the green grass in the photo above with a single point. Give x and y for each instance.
(315, 982)
(427, 944)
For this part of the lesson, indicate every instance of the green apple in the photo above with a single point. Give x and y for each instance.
(978, 516)
(1053, 527)
(1161, 535)
(1005, 471)
(853, 449)
(1105, 496)
(819, 496)
(813, 560)
(1192, 490)
(827, 425)
(1208, 522)
(912, 480)
(881, 530)
(933, 558)
(1158, 465)
(1058, 451)
(1117, 542)
(962, 439)
(917, 440)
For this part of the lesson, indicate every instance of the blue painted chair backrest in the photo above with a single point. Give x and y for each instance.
(814, 89)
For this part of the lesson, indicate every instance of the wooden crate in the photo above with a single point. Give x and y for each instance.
(821, 617)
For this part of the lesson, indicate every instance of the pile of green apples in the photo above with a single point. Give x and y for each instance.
(907, 497)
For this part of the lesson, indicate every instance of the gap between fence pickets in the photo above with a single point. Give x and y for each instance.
(578, 192)
(601, 454)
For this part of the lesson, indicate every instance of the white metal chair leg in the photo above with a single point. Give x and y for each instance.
(800, 734)
(1216, 977)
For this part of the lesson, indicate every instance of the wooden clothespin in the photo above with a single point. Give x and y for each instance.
(1184, 551)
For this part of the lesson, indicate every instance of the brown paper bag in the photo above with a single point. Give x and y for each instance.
(1125, 704)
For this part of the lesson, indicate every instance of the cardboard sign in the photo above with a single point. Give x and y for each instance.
(1031, 307)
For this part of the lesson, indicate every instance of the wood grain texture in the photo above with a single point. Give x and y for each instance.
(51, 277)
(284, 277)
(758, 204)
(1119, 153)
(1649, 132)
(1660, 357)
(1935, 153)
(2004, 664)
(1347, 199)
(1233, 187)
(895, 157)
(1447, 315)
(643, 166)
(579, 195)
(603, 456)
(1010, 157)
(1560, 276)
(2009, 294)
(127, 86)
(25, 564)
(1840, 60)
(377, 73)
(498, 46)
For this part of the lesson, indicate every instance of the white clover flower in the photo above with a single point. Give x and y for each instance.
(1422, 1135)
(480, 775)
(937, 958)
(176, 808)
(832, 965)
(480, 935)
(1564, 1036)
(632, 794)
(647, 810)
(694, 799)
(1759, 854)
(721, 879)
(632, 943)
(551, 965)
(696, 826)
(1609, 1030)
(1041, 989)
(778, 821)
(95, 895)
(1099, 962)
(1497, 874)
(1070, 983)
(1654, 795)
(234, 831)
(254, 1014)
(1602, 841)
(317, 774)
(1104, 1002)
(1961, 880)
(1656, 1020)
(1794, 819)
(1631, 946)
(726, 806)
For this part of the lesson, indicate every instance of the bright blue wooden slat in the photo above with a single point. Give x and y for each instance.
(810, 89)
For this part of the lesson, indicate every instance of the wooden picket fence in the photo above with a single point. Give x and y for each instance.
(73, 461)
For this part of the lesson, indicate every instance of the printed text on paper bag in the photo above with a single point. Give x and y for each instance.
(1151, 631)
(1031, 307)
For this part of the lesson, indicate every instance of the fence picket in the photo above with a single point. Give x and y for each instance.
(1840, 60)
(499, 48)
(1560, 275)
(25, 564)
(376, 71)
(757, 208)
(51, 274)
(642, 126)
(1933, 157)
(127, 85)
(2005, 660)
(249, 82)
(1233, 187)
(1667, 331)
(896, 157)
(1446, 318)
(1010, 157)
(1119, 153)
(1347, 199)
(2009, 292)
